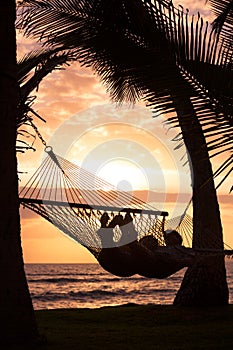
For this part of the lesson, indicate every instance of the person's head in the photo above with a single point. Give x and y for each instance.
(128, 218)
(117, 220)
(167, 232)
(172, 237)
(104, 219)
(171, 232)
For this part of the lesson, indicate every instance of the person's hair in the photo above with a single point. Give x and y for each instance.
(104, 218)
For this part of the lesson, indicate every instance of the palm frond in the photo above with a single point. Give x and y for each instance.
(223, 23)
(31, 60)
(155, 27)
(32, 68)
(145, 49)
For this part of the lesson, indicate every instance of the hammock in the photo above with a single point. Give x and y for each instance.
(126, 235)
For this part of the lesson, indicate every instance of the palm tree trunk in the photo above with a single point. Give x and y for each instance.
(204, 283)
(17, 315)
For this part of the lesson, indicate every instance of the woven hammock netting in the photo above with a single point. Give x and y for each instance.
(87, 208)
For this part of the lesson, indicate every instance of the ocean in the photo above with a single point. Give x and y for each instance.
(54, 286)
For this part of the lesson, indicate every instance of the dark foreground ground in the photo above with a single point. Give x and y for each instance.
(137, 327)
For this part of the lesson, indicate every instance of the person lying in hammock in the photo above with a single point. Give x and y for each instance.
(106, 232)
(138, 257)
(114, 257)
(172, 238)
(129, 234)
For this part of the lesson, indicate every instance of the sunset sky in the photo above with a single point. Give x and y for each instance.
(124, 145)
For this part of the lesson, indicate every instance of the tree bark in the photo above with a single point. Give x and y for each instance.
(205, 282)
(17, 315)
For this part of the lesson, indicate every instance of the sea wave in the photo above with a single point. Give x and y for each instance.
(97, 293)
(62, 280)
(66, 286)
(78, 280)
(75, 295)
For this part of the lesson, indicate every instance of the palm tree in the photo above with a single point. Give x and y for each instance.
(18, 320)
(151, 50)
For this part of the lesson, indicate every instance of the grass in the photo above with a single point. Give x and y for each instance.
(137, 327)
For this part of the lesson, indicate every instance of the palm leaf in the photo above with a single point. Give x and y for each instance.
(145, 49)
(30, 61)
(41, 63)
(223, 23)
(32, 68)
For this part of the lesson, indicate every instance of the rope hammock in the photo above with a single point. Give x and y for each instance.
(126, 235)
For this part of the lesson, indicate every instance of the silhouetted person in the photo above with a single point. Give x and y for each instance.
(117, 220)
(104, 219)
(150, 242)
(129, 234)
(105, 234)
(172, 238)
